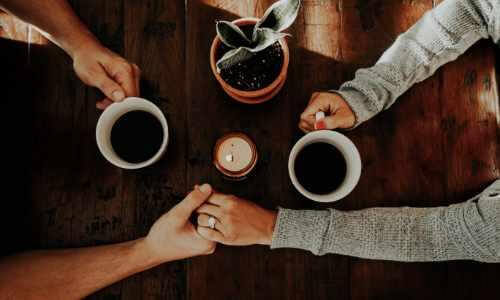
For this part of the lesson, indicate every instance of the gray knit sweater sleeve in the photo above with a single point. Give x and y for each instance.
(440, 36)
(469, 230)
(465, 231)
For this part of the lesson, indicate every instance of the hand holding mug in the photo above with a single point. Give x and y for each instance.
(173, 236)
(230, 220)
(99, 67)
(339, 114)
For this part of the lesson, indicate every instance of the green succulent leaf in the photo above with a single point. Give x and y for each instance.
(265, 37)
(231, 35)
(266, 32)
(278, 16)
(232, 57)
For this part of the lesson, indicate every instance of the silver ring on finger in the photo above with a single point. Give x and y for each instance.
(211, 222)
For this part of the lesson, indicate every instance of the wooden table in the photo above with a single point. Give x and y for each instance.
(438, 145)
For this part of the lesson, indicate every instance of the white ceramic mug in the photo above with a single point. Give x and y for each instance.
(108, 118)
(348, 150)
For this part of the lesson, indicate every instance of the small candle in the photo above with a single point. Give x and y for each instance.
(235, 155)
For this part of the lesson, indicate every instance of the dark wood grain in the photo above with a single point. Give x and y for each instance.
(245, 273)
(400, 168)
(154, 39)
(436, 146)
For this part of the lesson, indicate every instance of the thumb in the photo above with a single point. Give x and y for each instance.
(341, 119)
(192, 201)
(109, 87)
(315, 104)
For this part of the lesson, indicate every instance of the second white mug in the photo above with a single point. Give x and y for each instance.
(349, 152)
(112, 114)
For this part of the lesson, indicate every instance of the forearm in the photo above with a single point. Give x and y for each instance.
(56, 20)
(72, 273)
(464, 231)
(440, 36)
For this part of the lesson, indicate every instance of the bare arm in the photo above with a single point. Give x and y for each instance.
(71, 273)
(55, 18)
(96, 65)
(76, 273)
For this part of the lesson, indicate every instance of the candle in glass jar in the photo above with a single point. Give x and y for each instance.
(235, 155)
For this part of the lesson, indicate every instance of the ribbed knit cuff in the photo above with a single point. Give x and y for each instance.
(359, 103)
(301, 229)
(481, 234)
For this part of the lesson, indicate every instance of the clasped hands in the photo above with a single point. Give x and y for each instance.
(238, 222)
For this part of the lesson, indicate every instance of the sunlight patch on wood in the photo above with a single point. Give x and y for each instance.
(14, 29)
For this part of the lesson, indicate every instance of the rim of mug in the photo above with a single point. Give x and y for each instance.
(348, 150)
(132, 103)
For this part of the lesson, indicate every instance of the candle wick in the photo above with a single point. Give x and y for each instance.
(229, 157)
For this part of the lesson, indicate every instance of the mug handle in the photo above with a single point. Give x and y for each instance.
(319, 115)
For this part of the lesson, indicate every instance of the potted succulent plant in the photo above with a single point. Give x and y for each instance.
(249, 57)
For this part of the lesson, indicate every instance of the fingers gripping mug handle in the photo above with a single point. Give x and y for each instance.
(319, 115)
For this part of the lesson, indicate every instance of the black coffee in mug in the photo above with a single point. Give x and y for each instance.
(320, 168)
(137, 136)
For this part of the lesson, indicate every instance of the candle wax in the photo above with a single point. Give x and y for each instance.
(235, 154)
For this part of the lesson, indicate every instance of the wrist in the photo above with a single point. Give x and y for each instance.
(270, 221)
(84, 41)
(145, 255)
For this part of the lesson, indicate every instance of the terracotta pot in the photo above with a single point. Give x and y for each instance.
(257, 96)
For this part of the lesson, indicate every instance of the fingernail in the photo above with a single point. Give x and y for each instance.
(320, 125)
(205, 188)
(118, 95)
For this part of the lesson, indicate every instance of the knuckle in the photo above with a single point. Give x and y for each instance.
(210, 250)
(126, 67)
(136, 68)
(201, 209)
(200, 219)
(90, 77)
(104, 85)
(315, 96)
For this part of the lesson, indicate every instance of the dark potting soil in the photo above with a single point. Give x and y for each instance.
(255, 73)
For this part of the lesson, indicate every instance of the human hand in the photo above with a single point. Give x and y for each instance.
(338, 113)
(238, 221)
(99, 67)
(173, 237)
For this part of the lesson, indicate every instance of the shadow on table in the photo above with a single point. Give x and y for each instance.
(16, 115)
